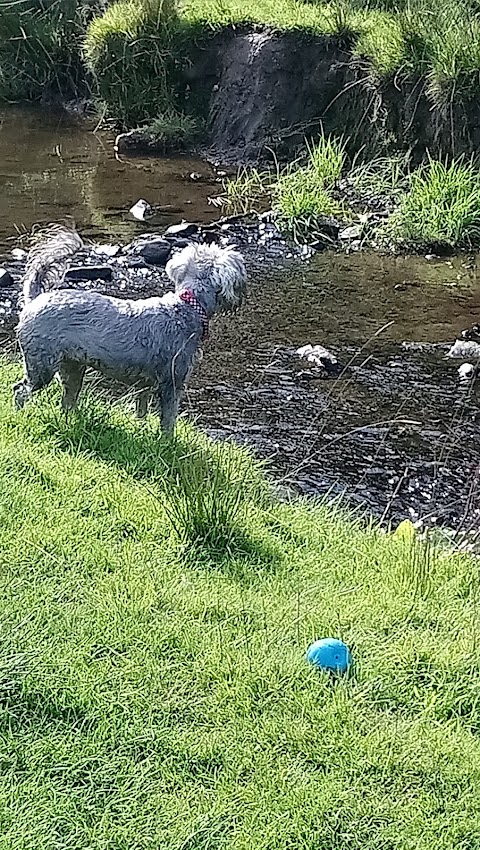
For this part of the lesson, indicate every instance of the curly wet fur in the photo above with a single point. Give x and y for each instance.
(47, 260)
(150, 344)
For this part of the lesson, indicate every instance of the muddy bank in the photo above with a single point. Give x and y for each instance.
(272, 90)
(261, 91)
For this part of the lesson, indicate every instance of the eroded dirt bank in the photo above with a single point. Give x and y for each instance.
(264, 90)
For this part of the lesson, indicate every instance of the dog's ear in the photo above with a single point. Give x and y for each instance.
(182, 265)
(231, 277)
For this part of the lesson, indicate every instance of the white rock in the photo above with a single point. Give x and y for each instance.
(106, 250)
(354, 231)
(466, 371)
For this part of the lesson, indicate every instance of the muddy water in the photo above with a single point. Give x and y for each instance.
(50, 168)
(398, 433)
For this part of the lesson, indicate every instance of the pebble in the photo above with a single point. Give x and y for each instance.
(184, 229)
(106, 250)
(152, 249)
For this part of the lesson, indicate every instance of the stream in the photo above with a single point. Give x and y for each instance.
(398, 434)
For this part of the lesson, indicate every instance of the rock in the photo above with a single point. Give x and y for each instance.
(6, 279)
(140, 209)
(19, 254)
(320, 357)
(306, 252)
(472, 333)
(178, 244)
(326, 233)
(106, 250)
(466, 371)
(184, 229)
(144, 142)
(89, 273)
(154, 250)
(137, 142)
(352, 232)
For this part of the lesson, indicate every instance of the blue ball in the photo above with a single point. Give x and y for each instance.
(330, 654)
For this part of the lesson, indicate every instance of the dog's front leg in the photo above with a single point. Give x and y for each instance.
(167, 407)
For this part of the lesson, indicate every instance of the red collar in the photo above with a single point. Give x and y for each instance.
(189, 298)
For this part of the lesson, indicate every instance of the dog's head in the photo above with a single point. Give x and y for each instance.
(215, 275)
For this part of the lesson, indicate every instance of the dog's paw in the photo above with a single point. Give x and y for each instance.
(21, 395)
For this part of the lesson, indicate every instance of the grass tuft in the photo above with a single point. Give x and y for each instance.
(128, 52)
(433, 207)
(300, 195)
(208, 502)
(40, 48)
(441, 208)
(171, 131)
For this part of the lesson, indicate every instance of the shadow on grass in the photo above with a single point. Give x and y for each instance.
(208, 490)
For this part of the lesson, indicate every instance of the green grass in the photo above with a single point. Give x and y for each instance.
(137, 41)
(129, 53)
(299, 194)
(405, 35)
(40, 47)
(441, 208)
(171, 131)
(154, 694)
(136, 50)
(434, 206)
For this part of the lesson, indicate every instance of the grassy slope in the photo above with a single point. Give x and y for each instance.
(378, 34)
(411, 37)
(152, 700)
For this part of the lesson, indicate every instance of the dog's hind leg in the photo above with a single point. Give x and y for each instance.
(71, 375)
(167, 406)
(36, 378)
(141, 403)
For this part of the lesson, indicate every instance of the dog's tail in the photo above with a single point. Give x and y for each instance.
(46, 261)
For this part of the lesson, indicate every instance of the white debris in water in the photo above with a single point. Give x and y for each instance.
(466, 371)
(306, 252)
(140, 209)
(19, 254)
(316, 354)
(465, 348)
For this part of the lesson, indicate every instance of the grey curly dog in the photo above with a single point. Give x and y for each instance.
(151, 344)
